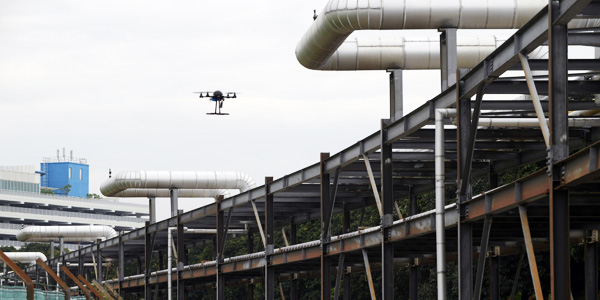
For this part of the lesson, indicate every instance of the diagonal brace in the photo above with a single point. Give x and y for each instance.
(373, 185)
(260, 227)
(537, 286)
(539, 111)
(485, 237)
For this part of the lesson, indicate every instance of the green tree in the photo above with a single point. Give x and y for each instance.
(65, 190)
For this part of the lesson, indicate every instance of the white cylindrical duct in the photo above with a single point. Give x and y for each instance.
(26, 257)
(440, 200)
(411, 53)
(530, 122)
(183, 193)
(78, 233)
(341, 17)
(166, 180)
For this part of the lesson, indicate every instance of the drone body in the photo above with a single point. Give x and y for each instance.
(218, 97)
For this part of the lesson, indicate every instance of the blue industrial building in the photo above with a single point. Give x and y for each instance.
(62, 171)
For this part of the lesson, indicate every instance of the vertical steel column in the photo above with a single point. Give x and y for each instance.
(495, 278)
(61, 252)
(51, 250)
(152, 208)
(220, 293)
(80, 261)
(181, 256)
(325, 261)
(591, 270)
(121, 264)
(465, 243)
(448, 57)
(560, 273)
(294, 241)
(387, 203)
(99, 262)
(414, 271)
(269, 234)
(250, 249)
(396, 105)
(147, 262)
(174, 193)
(346, 228)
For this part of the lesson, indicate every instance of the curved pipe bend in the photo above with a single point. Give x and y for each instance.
(78, 233)
(342, 17)
(26, 257)
(160, 182)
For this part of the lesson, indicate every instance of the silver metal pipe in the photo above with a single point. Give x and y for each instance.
(69, 233)
(340, 18)
(440, 199)
(161, 181)
(26, 257)
(530, 122)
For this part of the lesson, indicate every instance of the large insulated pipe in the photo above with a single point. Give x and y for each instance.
(78, 233)
(440, 200)
(531, 122)
(26, 257)
(163, 181)
(164, 193)
(340, 18)
(411, 53)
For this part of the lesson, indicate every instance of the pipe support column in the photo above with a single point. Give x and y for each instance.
(325, 260)
(396, 93)
(269, 234)
(387, 199)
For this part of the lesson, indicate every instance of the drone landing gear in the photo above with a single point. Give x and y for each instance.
(218, 104)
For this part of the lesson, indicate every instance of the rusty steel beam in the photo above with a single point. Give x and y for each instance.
(90, 286)
(104, 292)
(58, 280)
(578, 168)
(85, 291)
(28, 282)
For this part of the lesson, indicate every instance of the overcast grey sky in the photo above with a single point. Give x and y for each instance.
(113, 81)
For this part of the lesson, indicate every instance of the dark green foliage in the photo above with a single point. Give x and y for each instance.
(46, 191)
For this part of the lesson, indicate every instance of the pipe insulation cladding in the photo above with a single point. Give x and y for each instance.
(160, 182)
(183, 193)
(411, 53)
(77, 233)
(26, 257)
(342, 17)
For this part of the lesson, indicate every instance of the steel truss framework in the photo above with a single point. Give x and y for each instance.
(550, 209)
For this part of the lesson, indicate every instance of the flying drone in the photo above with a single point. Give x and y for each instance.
(218, 97)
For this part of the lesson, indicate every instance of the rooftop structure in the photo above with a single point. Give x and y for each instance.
(66, 171)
